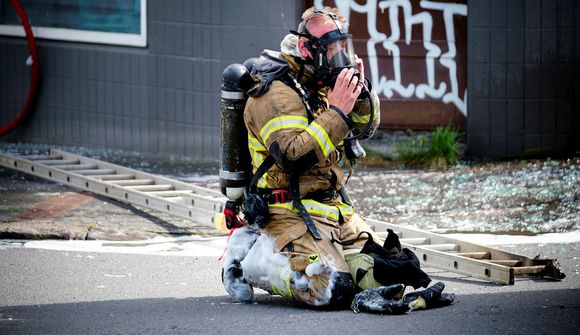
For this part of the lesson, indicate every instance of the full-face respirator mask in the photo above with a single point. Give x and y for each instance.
(332, 52)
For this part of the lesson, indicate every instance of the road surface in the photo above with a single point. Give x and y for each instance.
(77, 292)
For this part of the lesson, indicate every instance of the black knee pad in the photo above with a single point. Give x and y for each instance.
(343, 291)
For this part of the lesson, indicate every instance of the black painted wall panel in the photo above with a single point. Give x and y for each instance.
(523, 90)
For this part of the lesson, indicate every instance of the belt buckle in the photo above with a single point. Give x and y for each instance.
(280, 196)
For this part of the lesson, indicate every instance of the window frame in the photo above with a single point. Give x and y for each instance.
(85, 36)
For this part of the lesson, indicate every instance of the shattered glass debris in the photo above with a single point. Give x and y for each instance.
(525, 197)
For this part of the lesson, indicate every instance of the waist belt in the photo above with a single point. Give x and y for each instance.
(321, 195)
(278, 196)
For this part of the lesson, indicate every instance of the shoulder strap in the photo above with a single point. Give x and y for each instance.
(299, 89)
(297, 201)
(262, 169)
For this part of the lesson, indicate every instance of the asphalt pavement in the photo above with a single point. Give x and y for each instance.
(64, 292)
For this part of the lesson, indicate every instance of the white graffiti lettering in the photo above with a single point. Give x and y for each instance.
(388, 86)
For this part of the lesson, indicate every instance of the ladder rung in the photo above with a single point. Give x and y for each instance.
(442, 247)
(57, 161)
(416, 240)
(522, 270)
(475, 255)
(174, 199)
(202, 201)
(133, 182)
(149, 188)
(506, 262)
(73, 167)
(39, 157)
(174, 193)
(95, 172)
(120, 176)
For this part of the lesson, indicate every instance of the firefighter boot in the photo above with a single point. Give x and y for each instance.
(432, 297)
(381, 300)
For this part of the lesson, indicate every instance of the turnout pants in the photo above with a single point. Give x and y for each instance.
(285, 259)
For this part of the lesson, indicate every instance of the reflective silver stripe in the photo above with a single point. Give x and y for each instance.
(233, 95)
(234, 175)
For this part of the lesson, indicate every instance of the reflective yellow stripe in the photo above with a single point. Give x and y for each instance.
(345, 209)
(262, 183)
(320, 135)
(299, 122)
(257, 160)
(314, 208)
(286, 291)
(255, 145)
(360, 118)
(258, 153)
(282, 122)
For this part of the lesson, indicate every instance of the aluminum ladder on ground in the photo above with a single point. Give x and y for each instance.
(201, 205)
(467, 258)
(140, 189)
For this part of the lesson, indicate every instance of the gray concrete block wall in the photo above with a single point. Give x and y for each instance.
(523, 77)
(163, 99)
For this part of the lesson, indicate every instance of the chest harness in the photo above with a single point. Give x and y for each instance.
(255, 206)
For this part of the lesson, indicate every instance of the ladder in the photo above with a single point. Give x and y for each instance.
(468, 258)
(203, 205)
(183, 200)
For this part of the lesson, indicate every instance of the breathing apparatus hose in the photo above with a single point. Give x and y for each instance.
(35, 73)
(369, 124)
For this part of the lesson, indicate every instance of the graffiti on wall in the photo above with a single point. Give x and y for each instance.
(431, 87)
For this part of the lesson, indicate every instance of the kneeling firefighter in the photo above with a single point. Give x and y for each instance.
(292, 222)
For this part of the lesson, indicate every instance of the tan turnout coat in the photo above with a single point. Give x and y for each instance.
(279, 116)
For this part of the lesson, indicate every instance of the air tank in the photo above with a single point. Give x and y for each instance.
(235, 164)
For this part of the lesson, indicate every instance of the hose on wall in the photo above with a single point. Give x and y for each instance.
(35, 73)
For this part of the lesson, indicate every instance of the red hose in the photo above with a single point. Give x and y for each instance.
(35, 75)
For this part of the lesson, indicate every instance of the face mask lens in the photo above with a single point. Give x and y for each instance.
(340, 60)
(340, 54)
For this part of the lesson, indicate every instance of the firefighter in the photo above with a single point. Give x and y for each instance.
(309, 106)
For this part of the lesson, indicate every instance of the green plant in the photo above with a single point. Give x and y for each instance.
(438, 150)
(443, 145)
(413, 152)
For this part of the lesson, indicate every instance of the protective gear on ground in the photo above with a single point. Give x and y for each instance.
(375, 265)
(383, 300)
(431, 297)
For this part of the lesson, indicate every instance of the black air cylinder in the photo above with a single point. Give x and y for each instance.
(235, 165)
